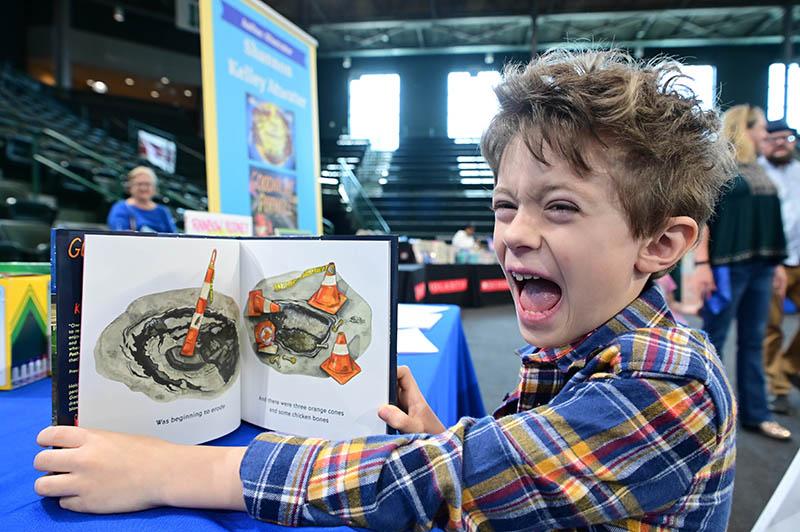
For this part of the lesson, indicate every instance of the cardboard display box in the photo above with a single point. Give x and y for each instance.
(24, 328)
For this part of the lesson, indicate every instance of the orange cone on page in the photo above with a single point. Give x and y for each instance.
(328, 298)
(200, 309)
(257, 304)
(340, 365)
(265, 337)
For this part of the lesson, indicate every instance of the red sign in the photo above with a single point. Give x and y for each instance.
(448, 286)
(494, 285)
(419, 291)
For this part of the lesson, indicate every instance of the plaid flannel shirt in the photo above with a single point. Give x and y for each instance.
(631, 428)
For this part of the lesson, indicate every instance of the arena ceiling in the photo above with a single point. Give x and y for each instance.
(664, 28)
(405, 27)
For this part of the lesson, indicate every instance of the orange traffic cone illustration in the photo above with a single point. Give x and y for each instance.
(265, 337)
(257, 304)
(200, 309)
(328, 298)
(340, 365)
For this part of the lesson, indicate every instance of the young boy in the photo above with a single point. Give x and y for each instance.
(623, 420)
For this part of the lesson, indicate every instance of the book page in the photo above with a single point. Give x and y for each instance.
(160, 337)
(318, 316)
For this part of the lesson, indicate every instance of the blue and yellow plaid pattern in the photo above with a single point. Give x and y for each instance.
(630, 428)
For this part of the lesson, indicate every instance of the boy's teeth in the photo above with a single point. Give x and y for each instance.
(523, 276)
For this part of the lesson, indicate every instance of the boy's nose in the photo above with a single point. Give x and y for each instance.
(522, 232)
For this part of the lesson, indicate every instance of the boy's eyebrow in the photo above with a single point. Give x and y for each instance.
(542, 190)
(545, 189)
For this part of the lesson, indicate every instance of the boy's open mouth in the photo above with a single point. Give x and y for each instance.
(536, 294)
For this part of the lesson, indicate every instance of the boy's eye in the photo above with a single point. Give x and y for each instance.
(500, 205)
(562, 207)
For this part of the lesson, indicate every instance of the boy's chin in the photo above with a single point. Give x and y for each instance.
(543, 340)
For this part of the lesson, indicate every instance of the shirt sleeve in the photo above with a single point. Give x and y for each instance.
(562, 465)
(119, 217)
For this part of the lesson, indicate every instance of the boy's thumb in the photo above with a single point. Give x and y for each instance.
(395, 418)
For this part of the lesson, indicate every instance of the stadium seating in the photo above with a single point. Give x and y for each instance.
(433, 187)
(47, 145)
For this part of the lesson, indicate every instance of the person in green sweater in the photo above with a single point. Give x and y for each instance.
(735, 267)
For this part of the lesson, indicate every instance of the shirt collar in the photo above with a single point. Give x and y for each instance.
(647, 310)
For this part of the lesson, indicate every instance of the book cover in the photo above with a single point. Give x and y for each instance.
(66, 282)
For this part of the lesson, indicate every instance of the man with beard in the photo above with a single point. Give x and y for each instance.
(783, 366)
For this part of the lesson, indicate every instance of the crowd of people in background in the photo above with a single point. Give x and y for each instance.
(743, 264)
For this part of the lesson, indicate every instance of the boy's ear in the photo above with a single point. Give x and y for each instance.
(666, 248)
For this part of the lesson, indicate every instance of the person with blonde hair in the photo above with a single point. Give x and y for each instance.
(736, 267)
(139, 212)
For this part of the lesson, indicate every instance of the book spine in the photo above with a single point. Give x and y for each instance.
(53, 328)
(66, 296)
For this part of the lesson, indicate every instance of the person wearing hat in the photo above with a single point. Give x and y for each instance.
(783, 366)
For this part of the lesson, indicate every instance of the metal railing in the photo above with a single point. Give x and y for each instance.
(362, 209)
(40, 160)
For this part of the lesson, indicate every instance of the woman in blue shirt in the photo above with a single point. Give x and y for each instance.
(140, 212)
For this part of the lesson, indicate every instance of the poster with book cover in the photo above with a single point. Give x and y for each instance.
(182, 338)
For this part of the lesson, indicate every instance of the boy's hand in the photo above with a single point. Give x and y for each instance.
(416, 416)
(101, 472)
(704, 281)
(108, 472)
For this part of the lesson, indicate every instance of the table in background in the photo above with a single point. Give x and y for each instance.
(446, 378)
(466, 285)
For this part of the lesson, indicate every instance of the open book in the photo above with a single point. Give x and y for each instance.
(183, 337)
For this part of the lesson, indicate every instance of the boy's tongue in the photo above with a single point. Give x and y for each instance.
(539, 295)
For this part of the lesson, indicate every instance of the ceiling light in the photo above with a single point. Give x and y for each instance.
(90, 82)
(346, 63)
(119, 14)
(99, 87)
(187, 93)
(129, 82)
(154, 94)
(164, 80)
(488, 58)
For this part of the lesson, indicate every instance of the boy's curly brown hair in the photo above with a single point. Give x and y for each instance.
(666, 155)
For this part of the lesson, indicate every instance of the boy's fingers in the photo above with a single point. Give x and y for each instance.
(55, 485)
(57, 461)
(395, 418)
(71, 503)
(406, 379)
(61, 436)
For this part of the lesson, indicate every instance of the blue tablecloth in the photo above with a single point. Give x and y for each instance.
(447, 379)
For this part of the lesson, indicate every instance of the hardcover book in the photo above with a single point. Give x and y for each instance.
(183, 337)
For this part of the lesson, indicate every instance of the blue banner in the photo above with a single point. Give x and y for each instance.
(243, 22)
(260, 105)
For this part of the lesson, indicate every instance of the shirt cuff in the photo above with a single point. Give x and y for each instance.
(275, 471)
